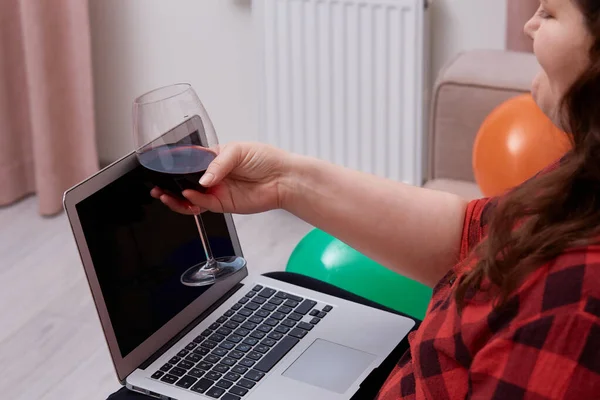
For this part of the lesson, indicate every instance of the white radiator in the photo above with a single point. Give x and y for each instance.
(345, 80)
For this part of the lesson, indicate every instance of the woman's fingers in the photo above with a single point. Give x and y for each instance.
(228, 158)
(204, 201)
(180, 206)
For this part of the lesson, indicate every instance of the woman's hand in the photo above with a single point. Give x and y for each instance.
(244, 178)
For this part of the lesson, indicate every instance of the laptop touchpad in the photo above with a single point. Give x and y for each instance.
(330, 366)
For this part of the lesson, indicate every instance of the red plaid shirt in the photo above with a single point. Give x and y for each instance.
(543, 344)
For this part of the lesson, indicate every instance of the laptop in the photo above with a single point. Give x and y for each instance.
(245, 337)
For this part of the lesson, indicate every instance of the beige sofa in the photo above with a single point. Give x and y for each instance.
(466, 91)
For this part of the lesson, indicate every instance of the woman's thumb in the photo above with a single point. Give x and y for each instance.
(221, 166)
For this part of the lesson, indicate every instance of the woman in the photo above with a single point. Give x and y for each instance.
(516, 305)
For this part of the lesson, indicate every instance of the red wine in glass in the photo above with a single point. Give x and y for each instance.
(176, 167)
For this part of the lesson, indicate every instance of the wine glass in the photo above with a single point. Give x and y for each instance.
(173, 135)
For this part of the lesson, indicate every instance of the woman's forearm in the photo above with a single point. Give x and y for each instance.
(411, 230)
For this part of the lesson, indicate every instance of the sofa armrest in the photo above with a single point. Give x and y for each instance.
(467, 90)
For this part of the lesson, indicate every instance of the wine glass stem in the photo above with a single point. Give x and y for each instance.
(210, 260)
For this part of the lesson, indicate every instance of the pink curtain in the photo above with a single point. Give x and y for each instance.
(47, 138)
(519, 12)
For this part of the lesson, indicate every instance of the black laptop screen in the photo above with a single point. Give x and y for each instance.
(139, 249)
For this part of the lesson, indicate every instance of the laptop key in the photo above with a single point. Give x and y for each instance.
(275, 300)
(214, 326)
(247, 311)
(213, 375)
(243, 300)
(304, 325)
(182, 353)
(267, 292)
(196, 372)
(236, 354)
(232, 376)
(255, 319)
(157, 374)
(222, 319)
(269, 342)
(166, 367)
(322, 314)
(261, 348)
(265, 328)
(262, 313)
(315, 320)
(243, 348)
(242, 332)
(251, 306)
(216, 337)
(186, 382)
(259, 300)
(285, 309)
(234, 338)
(201, 351)
(199, 339)
(224, 384)
(204, 365)
(215, 392)
(246, 384)
(271, 322)
(314, 313)
(177, 371)
(239, 369)
(276, 354)
(227, 345)
(174, 360)
(228, 313)
(222, 369)
(327, 308)
(238, 391)
(211, 358)
(250, 341)
(298, 333)
(185, 364)
(305, 307)
(169, 379)
(255, 355)
(224, 331)
(269, 307)
(209, 344)
(191, 346)
(258, 334)
(294, 297)
(251, 294)
(295, 316)
(282, 329)
(257, 288)
(291, 303)
(228, 361)
(249, 325)
(275, 335)
(231, 325)
(229, 396)
(289, 323)
(206, 333)
(254, 375)
(202, 385)
(282, 295)
(219, 352)
(236, 306)
(246, 362)
(278, 316)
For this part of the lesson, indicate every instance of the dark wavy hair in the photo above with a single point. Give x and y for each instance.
(556, 211)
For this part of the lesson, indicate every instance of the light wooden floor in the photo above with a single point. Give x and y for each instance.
(51, 344)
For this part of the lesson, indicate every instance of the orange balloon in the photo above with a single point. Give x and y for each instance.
(516, 141)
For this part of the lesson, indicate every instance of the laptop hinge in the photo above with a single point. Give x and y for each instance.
(190, 326)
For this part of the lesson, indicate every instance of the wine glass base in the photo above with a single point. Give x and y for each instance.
(205, 275)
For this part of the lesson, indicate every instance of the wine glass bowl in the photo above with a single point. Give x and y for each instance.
(173, 136)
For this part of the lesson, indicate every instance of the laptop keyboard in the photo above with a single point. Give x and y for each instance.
(243, 345)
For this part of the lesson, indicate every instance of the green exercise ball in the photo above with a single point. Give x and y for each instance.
(321, 256)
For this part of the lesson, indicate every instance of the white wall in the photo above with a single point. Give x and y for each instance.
(459, 25)
(142, 44)
(139, 45)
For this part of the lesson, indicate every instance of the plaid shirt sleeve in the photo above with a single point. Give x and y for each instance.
(551, 349)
